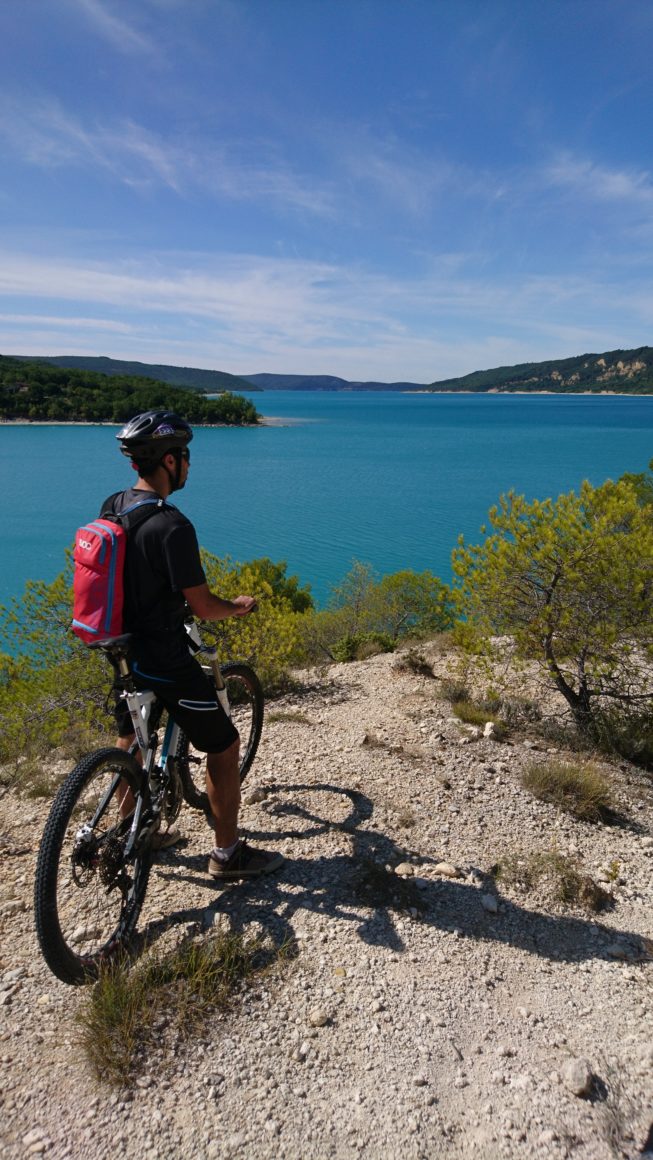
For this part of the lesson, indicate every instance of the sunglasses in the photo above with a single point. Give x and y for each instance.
(185, 454)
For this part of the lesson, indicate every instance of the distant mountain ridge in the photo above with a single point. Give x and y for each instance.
(268, 382)
(193, 378)
(615, 371)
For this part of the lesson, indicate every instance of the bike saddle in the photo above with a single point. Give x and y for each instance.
(114, 646)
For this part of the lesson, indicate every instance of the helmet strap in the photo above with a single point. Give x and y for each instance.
(174, 479)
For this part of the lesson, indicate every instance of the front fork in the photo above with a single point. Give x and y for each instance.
(220, 683)
(197, 645)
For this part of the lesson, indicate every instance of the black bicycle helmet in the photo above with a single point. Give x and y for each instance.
(151, 435)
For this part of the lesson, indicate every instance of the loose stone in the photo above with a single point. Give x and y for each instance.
(489, 903)
(447, 870)
(578, 1077)
(318, 1017)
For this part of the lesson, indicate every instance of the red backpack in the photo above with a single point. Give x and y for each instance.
(99, 559)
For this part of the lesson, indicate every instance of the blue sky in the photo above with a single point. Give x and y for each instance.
(377, 189)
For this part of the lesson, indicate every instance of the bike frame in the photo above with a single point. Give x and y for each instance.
(140, 703)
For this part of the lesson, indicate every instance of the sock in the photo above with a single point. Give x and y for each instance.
(223, 853)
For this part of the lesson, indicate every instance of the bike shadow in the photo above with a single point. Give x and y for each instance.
(358, 886)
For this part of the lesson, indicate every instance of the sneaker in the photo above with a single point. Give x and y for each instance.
(163, 840)
(245, 862)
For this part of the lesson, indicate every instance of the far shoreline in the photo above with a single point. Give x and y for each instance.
(106, 423)
(288, 421)
(265, 421)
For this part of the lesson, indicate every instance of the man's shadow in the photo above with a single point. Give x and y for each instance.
(359, 886)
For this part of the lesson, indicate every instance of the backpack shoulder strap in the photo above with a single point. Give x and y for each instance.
(136, 514)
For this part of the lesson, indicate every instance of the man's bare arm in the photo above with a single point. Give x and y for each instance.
(206, 606)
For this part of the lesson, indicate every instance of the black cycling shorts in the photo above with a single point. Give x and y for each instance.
(189, 695)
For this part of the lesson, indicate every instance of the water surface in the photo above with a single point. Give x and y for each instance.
(391, 479)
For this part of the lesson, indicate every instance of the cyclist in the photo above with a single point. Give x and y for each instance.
(163, 575)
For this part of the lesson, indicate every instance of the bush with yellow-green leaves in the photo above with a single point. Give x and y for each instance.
(570, 582)
(56, 692)
(269, 638)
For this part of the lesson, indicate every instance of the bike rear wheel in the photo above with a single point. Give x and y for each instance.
(87, 893)
(246, 702)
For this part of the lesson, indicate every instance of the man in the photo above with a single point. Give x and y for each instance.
(163, 575)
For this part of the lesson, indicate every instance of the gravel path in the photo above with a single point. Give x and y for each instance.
(428, 1013)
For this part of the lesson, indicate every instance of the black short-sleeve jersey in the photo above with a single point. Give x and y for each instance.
(162, 559)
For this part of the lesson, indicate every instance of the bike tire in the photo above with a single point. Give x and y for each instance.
(87, 898)
(246, 700)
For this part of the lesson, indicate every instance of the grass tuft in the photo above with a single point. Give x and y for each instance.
(476, 715)
(579, 788)
(415, 662)
(453, 689)
(36, 780)
(292, 716)
(565, 878)
(129, 1009)
(406, 819)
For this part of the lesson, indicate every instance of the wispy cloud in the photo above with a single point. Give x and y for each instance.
(44, 134)
(115, 29)
(66, 322)
(593, 181)
(405, 178)
(243, 313)
(381, 169)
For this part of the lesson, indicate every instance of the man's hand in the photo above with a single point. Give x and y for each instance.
(244, 605)
(205, 606)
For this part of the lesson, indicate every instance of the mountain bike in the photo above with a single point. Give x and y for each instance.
(96, 852)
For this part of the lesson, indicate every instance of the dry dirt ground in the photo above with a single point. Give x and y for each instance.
(439, 1013)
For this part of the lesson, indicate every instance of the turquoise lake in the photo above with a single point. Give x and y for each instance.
(387, 478)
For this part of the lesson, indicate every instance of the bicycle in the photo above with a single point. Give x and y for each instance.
(94, 860)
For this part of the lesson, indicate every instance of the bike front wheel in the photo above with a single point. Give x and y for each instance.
(88, 892)
(246, 703)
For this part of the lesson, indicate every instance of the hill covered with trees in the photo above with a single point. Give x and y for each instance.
(190, 378)
(41, 391)
(267, 382)
(628, 372)
(617, 371)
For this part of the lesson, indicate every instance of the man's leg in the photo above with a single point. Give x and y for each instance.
(223, 789)
(126, 799)
(231, 858)
(163, 838)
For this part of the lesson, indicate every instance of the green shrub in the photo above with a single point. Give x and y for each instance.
(629, 735)
(413, 661)
(569, 582)
(359, 645)
(400, 606)
(581, 789)
(62, 705)
(519, 711)
(56, 692)
(269, 638)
